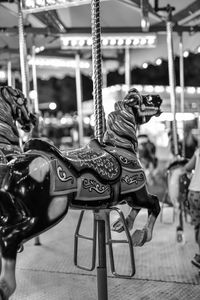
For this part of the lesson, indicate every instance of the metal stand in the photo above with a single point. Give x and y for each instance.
(101, 231)
(102, 287)
(162, 211)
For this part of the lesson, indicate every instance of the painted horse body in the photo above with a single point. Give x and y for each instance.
(42, 183)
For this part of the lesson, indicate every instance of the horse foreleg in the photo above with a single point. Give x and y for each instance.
(145, 200)
(7, 278)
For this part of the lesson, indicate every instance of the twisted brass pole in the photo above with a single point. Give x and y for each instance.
(172, 83)
(23, 52)
(99, 130)
(181, 68)
(34, 75)
(97, 70)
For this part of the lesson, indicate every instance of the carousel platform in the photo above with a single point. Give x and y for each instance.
(163, 267)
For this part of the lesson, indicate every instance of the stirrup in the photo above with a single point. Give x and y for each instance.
(105, 215)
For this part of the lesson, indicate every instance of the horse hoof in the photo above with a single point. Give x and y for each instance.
(180, 237)
(117, 226)
(2, 295)
(20, 248)
(139, 237)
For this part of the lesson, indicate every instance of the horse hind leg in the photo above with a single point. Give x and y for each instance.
(10, 241)
(7, 277)
(13, 227)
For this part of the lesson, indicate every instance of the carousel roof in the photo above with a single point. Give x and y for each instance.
(52, 25)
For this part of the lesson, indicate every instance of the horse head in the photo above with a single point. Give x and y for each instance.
(144, 106)
(130, 112)
(18, 105)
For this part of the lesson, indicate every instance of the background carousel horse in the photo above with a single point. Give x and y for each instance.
(147, 155)
(42, 183)
(177, 184)
(13, 108)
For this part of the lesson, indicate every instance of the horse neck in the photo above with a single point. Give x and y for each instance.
(9, 134)
(121, 128)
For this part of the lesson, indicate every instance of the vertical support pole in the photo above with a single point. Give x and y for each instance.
(198, 127)
(23, 52)
(23, 58)
(97, 72)
(102, 268)
(9, 73)
(36, 110)
(181, 72)
(104, 71)
(127, 68)
(99, 126)
(34, 74)
(172, 81)
(13, 79)
(79, 98)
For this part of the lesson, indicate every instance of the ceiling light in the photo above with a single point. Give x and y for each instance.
(136, 41)
(52, 106)
(186, 53)
(120, 42)
(158, 61)
(145, 65)
(128, 42)
(145, 24)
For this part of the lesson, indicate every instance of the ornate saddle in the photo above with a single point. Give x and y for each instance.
(92, 157)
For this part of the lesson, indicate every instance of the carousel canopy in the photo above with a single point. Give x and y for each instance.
(58, 29)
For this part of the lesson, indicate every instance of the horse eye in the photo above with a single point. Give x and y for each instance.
(20, 101)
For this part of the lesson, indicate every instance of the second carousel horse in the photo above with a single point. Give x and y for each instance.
(42, 183)
(13, 110)
(177, 184)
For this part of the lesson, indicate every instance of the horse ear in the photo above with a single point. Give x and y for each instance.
(133, 97)
(5, 93)
(12, 91)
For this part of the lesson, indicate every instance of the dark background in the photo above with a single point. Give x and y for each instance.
(63, 91)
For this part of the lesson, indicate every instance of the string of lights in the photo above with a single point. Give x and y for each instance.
(119, 41)
(34, 6)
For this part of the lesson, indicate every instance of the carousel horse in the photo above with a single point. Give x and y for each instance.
(177, 184)
(13, 110)
(41, 183)
(147, 156)
(147, 151)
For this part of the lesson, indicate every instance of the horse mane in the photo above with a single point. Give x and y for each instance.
(121, 128)
(8, 130)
